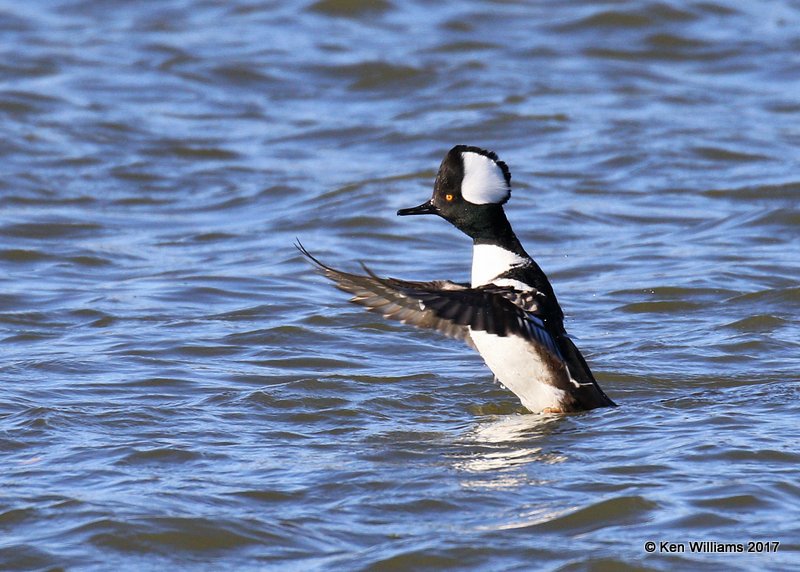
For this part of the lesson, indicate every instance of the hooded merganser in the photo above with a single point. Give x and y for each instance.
(509, 312)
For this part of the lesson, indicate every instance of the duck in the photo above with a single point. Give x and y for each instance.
(508, 311)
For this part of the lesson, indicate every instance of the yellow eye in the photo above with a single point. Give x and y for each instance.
(448, 198)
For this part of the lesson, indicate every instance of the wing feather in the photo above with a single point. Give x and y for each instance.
(447, 307)
(387, 298)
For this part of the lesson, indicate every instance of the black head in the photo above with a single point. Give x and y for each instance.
(471, 187)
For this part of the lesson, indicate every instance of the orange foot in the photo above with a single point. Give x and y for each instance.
(551, 410)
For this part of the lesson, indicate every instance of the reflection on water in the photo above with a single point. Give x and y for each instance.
(500, 448)
(513, 429)
(530, 518)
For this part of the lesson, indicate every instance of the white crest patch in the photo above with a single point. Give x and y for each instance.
(484, 181)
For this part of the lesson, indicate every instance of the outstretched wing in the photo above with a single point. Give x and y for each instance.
(450, 308)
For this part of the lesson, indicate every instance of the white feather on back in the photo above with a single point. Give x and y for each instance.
(483, 181)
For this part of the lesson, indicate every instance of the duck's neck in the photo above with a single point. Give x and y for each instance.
(492, 227)
(496, 249)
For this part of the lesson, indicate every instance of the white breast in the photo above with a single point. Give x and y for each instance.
(489, 261)
(523, 369)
